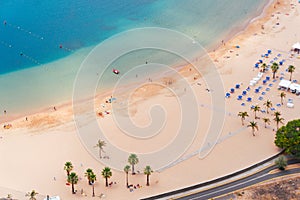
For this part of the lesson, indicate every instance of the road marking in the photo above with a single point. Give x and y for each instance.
(235, 185)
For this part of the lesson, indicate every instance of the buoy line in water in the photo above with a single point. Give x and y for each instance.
(6, 44)
(32, 34)
(19, 28)
(30, 58)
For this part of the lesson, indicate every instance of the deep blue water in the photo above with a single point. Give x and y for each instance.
(31, 31)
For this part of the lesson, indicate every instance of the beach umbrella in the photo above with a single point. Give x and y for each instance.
(269, 51)
(232, 90)
(264, 82)
(237, 86)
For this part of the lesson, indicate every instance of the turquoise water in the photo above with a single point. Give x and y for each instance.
(42, 43)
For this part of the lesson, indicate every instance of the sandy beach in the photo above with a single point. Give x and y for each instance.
(33, 151)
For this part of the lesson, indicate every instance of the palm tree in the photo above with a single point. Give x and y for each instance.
(68, 167)
(282, 96)
(268, 105)
(255, 109)
(264, 67)
(73, 179)
(126, 170)
(106, 173)
(254, 126)
(277, 114)
(133, 160)
(88, 174)
(243, 116)
(101, 144)
(291, 69)
(274, 68)
(93, 178)
(31, 195)
(147, 172)
(266, 121)
(278, 120)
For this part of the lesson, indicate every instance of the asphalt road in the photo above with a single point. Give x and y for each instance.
(241, 183)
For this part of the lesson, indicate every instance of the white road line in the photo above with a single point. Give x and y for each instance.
(228, 187)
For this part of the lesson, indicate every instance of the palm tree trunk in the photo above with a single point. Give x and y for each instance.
(281, 100)
(253, 132)
(73, 190)
(93, 190)
(106, 182)
(242, 122)
(127, 179)
(100, 153)
(273, 75)
(291, 77)
(148, 180)
(265, 125)
(133, 173)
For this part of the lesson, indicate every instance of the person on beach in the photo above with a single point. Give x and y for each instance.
(54, 108)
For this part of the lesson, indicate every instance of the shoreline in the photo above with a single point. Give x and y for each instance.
(67, 102)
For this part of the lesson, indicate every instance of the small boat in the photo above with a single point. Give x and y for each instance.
(116, 71)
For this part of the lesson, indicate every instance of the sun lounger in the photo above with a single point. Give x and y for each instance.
(290, 103)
